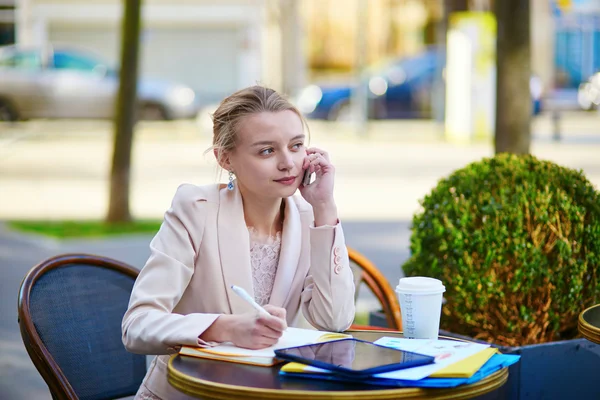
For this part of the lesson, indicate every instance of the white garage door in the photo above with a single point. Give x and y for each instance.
(100, 40)
(204, 58)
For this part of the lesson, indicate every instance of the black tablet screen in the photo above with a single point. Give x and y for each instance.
(354, 355)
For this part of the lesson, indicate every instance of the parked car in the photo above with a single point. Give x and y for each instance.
(588, 94)
(60, 82)
(399, 89)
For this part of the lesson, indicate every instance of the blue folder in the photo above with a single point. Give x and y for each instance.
(495, 363)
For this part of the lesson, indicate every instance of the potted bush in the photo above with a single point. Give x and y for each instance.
(516, 241)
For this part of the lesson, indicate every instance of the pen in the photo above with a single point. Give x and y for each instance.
(244, 295)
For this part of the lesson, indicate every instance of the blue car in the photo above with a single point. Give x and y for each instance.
(400, 89)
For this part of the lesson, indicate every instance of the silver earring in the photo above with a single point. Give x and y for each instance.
(230, 184)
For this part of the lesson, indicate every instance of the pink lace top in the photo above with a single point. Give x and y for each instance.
(264, 257)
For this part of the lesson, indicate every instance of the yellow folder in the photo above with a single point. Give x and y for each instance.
(465, 368)
(297, 367)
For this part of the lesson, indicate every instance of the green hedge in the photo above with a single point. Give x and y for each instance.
(516, 241)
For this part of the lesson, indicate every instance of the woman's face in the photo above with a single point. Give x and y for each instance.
(269, 154)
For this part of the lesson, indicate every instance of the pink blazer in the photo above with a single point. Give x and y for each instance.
(202, 248)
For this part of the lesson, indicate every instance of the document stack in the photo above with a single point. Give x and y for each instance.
(456, 363)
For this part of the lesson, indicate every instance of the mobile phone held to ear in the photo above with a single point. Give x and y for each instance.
(306, 177)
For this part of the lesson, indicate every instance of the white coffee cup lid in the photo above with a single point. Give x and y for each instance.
(420, 285)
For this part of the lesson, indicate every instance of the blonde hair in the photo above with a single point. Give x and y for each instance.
(234, 108)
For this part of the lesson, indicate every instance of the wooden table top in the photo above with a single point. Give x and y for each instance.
(210, 379)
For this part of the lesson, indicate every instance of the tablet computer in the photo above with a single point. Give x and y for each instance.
(353, 357)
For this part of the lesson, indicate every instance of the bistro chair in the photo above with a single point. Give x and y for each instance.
(70, 312)
(366, 272)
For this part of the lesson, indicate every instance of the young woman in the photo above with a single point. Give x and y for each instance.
(286, 251)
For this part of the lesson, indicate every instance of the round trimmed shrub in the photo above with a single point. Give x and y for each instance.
(516, 241)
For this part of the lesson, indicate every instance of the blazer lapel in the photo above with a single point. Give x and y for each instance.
(289, 254)
(234, 248)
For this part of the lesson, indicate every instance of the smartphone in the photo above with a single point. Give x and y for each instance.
(306, 177)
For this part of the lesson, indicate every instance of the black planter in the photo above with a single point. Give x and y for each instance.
(557, 370)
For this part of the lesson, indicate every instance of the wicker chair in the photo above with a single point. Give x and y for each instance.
(366, 272)
(70, 311)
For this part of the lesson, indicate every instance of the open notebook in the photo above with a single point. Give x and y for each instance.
(265, 357)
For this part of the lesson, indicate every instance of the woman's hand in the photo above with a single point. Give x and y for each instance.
(320, 193)
(251, 330)
(257, 331)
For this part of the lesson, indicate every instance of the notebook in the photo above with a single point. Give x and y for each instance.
(264, 357)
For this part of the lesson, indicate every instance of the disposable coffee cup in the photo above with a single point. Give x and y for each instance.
(421, 306)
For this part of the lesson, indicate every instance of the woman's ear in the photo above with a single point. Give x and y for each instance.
(222, 159)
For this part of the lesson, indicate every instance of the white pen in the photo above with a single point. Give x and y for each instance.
(244, 295)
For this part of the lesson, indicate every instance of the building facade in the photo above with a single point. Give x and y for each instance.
(7, 22)
(214, 46)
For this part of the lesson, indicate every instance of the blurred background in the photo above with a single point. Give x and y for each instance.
(400, 92)
(316, 51)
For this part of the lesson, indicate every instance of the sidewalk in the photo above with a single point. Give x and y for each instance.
(62, 172)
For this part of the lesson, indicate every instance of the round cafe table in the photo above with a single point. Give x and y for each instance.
(210, 379)
(589, 323)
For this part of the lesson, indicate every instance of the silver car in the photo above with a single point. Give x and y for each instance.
(54, 82)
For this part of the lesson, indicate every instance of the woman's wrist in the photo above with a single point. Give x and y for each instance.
(219, 330)
(325, 214)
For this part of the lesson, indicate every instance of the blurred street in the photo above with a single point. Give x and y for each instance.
(59, 169)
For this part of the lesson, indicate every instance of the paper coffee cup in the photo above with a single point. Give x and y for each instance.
(421, 306)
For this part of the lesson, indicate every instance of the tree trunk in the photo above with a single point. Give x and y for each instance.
(293, 61)
(513, 98)
(125, 114)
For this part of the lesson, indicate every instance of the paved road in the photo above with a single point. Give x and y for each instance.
(59, 170)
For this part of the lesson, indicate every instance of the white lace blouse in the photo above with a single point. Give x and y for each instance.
(264, 257)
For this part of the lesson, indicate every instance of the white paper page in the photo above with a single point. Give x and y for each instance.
(446, 352)
(291, 337)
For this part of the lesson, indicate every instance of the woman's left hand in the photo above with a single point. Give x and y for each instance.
(320, 193)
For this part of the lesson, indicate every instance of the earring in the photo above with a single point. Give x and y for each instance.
(230, 184)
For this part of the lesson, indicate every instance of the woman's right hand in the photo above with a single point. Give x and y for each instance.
(257, 331)
(251, 330)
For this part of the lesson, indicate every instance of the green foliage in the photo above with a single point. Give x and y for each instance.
(516, 241)
(85, 228)
(361, 318)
